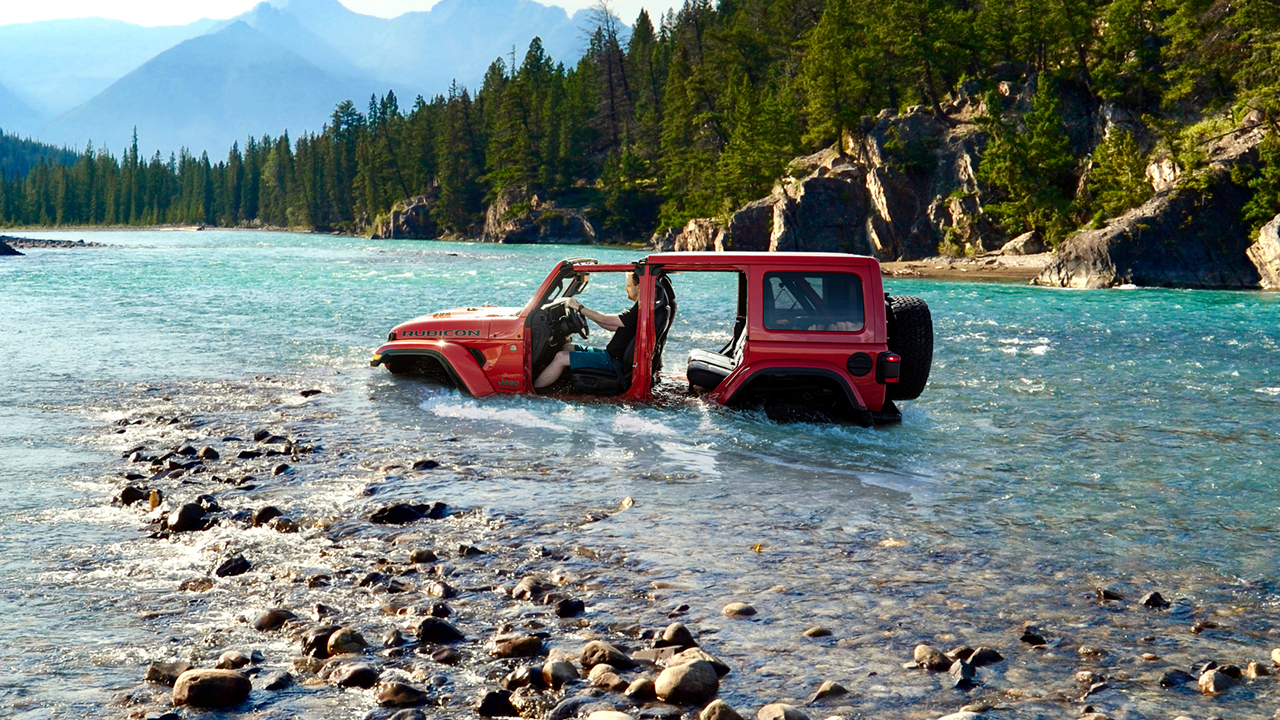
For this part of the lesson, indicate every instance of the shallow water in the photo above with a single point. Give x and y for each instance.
(1067, 440)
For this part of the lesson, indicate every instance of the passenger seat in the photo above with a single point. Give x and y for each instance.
(708, 369)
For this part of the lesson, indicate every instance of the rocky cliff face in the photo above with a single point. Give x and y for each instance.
(1188, 236)
(516, 217)
(898, 193)
(1265, 254)
(408, 220)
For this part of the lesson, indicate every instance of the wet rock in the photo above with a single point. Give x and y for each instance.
(280, 469)
(211, 688)
(232, 566)
(344, 641)
(248, 455)
(283, 525)
(570, 607)
(522, 677)
(310, 393)
(1091, 651)
(446, 656)
(738, 609)
(556, 673)
(694, 654)
(930, 658)
(609, 715)
(208, 453)
(598, 651)
(496, 703)
(660, 711)
(641, 690)
(435, 630)
(516, 645)
(232, 660)
(963, 715)
(274, 680)
(1214, 681)
(131, 494)
(602, 676)
(530, 588)
(963, 675)
(1254, 670)
(1155, 600)
(398, 694)
(828, 689)
(422, 555)
(200, 584)
(781, 711)
(577, 706)
(1232, 671)
(1173, 677)
(984, 656)
(439, 610)
(440, 589)
(264, 515)
(1275, 656)
(165, 673)
(817, 632)
(403, 513)
(676, 635)
(186, 518)
(426, 464)
(1106, 594)
(1033, 638)
(392, 638)
(155, 499)
(719, 710)
(690, 683)
(315, 642)
(359, 675)
(319, 611)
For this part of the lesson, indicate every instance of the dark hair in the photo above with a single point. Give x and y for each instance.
(635, 277)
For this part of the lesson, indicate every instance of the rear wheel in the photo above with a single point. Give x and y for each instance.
(911, 337)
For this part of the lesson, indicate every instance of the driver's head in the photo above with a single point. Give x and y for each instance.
(633, 286)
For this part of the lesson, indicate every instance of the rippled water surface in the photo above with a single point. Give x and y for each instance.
(1067, 440)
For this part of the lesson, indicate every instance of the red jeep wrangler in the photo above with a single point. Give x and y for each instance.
(815, 339)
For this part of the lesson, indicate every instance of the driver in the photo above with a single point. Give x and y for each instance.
(623, 327)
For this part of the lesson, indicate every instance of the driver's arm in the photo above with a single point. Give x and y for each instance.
(609, 322)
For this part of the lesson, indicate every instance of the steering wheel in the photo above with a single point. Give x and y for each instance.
(576, 322)
(569, 320)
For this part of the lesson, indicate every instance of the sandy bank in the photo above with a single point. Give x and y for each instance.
(1005, 268)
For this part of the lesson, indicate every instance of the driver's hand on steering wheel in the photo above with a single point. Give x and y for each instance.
(574, 304)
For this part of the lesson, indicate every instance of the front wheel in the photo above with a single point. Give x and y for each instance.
(911, 337)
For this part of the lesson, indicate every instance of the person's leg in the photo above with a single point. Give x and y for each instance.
(553, 371)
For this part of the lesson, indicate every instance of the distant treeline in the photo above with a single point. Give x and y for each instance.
(695, 116)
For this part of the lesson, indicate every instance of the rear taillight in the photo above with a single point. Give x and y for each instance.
(888, 367)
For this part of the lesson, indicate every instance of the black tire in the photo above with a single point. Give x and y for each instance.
(910, 336)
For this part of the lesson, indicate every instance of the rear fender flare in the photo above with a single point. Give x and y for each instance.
(455, 359)
(736, 385)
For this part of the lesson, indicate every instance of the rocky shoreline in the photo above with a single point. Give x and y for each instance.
(17, 243)
(414, 608)
(1006, 268)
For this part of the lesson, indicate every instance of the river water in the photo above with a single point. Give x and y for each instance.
(1068, 440)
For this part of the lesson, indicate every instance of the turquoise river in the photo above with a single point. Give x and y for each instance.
(1069, 441)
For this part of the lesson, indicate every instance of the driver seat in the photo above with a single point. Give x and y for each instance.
(604, 382)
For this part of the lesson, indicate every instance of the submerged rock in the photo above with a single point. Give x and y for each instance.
(402, 513)
(166, 673)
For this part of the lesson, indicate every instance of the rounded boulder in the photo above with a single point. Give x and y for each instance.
(211, 688)
(691, 684)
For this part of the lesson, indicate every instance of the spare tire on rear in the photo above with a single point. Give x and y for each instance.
(910, 336)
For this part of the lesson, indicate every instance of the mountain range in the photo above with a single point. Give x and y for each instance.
(283, 65)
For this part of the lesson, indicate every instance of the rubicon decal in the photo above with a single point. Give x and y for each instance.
(440, 333)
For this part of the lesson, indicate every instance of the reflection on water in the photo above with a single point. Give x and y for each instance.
(1067, 440)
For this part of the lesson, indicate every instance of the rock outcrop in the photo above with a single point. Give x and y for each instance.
(1189, 236)
(516, 217)
(6, 250)
(907, 186)
(1265, 254)
(408, 220)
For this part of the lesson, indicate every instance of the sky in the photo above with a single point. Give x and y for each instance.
(181, 12)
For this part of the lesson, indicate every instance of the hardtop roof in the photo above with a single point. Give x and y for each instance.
(759, 258)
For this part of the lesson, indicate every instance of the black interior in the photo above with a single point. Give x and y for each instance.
(708, 369)
(604, 382)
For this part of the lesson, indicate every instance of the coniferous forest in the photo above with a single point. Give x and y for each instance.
(696, 112)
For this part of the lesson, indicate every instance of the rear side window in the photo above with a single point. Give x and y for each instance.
(813, 301)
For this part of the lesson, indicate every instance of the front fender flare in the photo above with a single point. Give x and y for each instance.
(454, 358)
